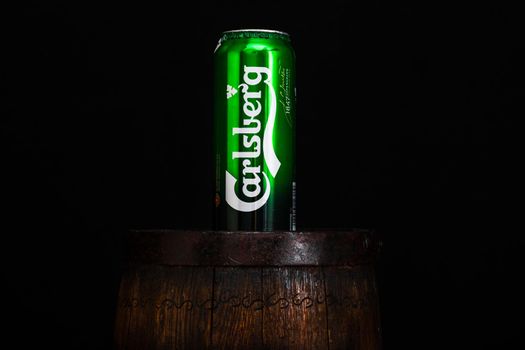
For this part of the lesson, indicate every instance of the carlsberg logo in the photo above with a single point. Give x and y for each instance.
(251, 176)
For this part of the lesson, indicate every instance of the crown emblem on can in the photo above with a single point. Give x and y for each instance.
(230, 91)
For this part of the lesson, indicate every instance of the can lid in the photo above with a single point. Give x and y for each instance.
(257, 30)
(254, 33)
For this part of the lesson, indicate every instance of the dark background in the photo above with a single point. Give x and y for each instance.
(405, 124)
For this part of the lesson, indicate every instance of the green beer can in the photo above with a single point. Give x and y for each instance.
(254, 131)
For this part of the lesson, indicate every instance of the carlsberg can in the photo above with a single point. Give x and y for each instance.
(254, 131)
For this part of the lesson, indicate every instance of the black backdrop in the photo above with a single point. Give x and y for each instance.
(405, 125)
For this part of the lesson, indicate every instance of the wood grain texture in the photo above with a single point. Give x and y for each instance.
(206, 303)
(352, 308)
(135, 327)
(238, 308)
(184, 308)
(295, 313)
(124, 311)
(165, 308)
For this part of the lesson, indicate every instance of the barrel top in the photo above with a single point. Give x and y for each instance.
(224, 248)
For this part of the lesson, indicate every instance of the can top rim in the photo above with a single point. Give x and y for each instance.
(256, 30)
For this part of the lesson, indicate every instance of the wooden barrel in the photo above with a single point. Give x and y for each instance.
(249, 290)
